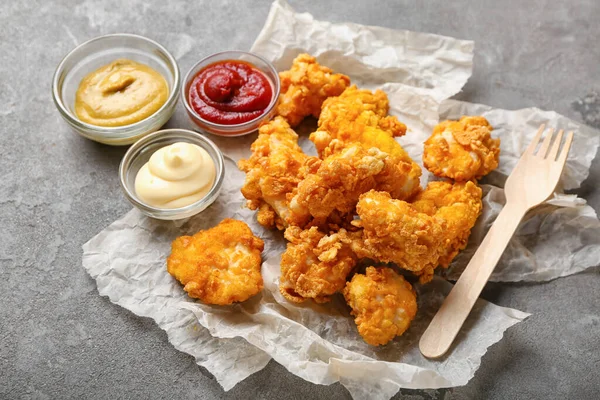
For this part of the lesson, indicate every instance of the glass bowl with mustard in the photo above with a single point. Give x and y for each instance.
(115, 89)
(172, 174)
(231, 93)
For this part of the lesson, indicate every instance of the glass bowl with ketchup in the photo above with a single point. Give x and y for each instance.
(100, 53)
(231, 93)
(165, 179)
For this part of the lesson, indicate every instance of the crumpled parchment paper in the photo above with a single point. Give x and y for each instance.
(319, 342)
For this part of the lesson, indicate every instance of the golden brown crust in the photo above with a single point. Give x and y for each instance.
(396, 232)
(304, 88)
(421, 235)
(345, 117)
(401, 175)
(272, 172)
(462, 150)
(315, 265)
(342, 177)
(383, 303)
(457, 206)
(360, 116)
(362, 169)
(220, 265)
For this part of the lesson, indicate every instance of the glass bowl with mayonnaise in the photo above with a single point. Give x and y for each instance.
(117, 88)
(231, 93)
(172, 174)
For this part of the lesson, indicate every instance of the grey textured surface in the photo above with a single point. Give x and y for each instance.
(60, 339)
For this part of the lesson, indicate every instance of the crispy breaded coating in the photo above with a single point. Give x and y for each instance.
(462, 150)
(383, 303)
(415, 236)
(220, 265)
(342, 177)
(374, 137)
(315, 265)
(371, 137)
(457, 206)
(421, 235)
(348, 117)
(272, 172)
(396, 232)
(304, 88)
(361, 169)
(345, 117)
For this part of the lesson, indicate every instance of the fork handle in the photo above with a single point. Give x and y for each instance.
(445, 325)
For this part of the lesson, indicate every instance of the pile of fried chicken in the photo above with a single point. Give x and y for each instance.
(360, 200)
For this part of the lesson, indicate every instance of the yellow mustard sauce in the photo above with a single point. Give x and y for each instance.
(120, 93)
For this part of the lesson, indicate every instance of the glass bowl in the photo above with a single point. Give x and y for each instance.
(140, 153)
(98, 52)
(239, 129)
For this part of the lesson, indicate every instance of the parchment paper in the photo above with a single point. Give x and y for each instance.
(319, 342)
(316, 342)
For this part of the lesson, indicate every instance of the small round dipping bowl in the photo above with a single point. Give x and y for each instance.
(139, 154)
(245, 128)
(95, 53)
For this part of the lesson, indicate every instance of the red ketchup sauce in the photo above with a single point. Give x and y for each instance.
(230, 92)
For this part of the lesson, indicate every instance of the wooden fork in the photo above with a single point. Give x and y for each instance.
(532, 181)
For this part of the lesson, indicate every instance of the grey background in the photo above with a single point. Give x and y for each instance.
(60, 339)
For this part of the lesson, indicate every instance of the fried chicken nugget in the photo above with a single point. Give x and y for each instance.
(421, 235)
(400, 186)
(462, 150)
(220, 265)
(457, 206)
(345, 117)
(342, 177)
(394, 231)
(411, 184)
(272, 172)
(304, 88)
(383, 303)
(315, 265)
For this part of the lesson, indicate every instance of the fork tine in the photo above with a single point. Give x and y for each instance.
(545, 144)
(565, 151)
(554, 151)
(536, 140)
